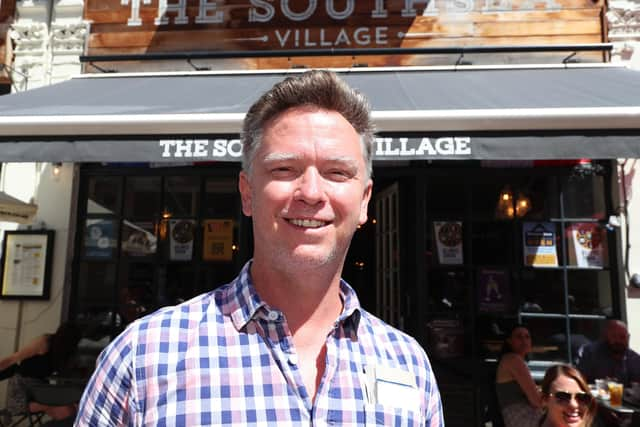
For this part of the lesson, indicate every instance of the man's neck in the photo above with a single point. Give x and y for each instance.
(307, 298)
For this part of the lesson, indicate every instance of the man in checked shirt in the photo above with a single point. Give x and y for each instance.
(286, 343)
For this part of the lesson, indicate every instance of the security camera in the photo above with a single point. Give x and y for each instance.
(635, 280)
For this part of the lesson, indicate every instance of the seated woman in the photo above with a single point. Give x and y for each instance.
(517, 393)
(33, 364)
(566, 398)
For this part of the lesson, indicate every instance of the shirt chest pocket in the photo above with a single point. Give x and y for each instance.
(384, 415)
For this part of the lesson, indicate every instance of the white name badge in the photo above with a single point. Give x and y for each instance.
(396, 387)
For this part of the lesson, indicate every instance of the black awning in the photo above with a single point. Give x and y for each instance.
(516, 113)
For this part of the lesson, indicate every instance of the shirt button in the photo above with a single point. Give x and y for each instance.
(273, 316)
(293, 359)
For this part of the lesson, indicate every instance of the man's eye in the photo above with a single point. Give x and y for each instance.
(339, 174)
(282, 171)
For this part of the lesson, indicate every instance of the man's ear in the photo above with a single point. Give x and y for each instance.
(364, 205)
(245, 192)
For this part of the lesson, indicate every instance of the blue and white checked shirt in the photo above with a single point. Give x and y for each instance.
(227, 358)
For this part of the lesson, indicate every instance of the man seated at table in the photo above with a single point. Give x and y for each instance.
(611, 356)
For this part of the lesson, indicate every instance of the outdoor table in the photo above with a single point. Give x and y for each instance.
(58, 392)
(627, 414)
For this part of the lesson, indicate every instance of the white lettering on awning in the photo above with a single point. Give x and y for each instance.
(384, 147)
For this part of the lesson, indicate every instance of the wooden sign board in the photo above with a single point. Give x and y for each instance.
(149, 26)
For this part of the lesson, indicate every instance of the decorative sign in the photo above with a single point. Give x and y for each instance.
(145, 26)
(494, 290)
(181, 235)
(587, 244)
(448, 237)
(539, 244)
(26, 266)
(218, 240)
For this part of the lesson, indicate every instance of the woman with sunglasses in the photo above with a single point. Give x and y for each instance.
(566, 398)
(517, 393)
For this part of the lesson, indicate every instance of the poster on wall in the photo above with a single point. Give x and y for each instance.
(539, 244)
(138, 238)
(494, 290)
(587, 244)
(448, 237)
(218, 240)
(26, 264)
(181, 235)
(446, 338)
(99, 238)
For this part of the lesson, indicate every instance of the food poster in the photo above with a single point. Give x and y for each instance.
(138, 239)
(181, 236)
(448, 237)
(587, 244)
(218, 240)
(539, 244)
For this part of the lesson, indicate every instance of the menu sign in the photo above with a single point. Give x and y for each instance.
(539, 244)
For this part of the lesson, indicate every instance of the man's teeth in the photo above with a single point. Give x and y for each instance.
(309, 223)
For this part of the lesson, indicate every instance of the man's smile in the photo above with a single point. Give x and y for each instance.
(307, 223)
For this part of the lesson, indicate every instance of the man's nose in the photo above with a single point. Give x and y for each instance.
(310, 186)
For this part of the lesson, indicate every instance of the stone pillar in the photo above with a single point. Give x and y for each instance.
(623, 19)
(49, 37)
(30, 33)
(68, 34)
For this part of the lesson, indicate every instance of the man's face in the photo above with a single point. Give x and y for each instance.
(617, 339)
(307, 190)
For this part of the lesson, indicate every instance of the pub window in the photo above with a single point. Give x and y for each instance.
(485, 280)
(141, 241)
(142, 197)
(182, 195)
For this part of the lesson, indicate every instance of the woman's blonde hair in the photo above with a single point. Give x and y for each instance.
(556, 371)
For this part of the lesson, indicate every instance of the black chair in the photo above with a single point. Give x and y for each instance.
(8, 418)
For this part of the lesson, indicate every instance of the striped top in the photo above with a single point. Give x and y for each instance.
(227, 358)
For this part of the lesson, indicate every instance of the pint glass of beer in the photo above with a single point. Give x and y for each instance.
(615, 393)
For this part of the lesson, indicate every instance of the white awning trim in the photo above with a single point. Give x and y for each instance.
(525, 119)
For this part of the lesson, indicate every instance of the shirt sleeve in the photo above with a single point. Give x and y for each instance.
(434, 416)
(108, 399)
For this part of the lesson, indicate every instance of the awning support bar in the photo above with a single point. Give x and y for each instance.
(460, 50)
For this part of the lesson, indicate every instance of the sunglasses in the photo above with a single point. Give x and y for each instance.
(564, 397)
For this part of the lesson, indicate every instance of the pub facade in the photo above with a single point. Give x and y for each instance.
(491, 205)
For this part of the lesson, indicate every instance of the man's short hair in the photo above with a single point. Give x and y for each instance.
(317, 88)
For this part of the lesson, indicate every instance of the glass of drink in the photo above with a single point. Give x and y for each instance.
(603, 389)
(615, 393)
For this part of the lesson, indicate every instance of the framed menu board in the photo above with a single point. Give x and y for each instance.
(26, 264)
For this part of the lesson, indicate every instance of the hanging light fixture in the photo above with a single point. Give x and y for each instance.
(504, 208)
(508, 207)
(523, 205)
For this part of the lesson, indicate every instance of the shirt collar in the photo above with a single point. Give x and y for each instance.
(241, 301)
